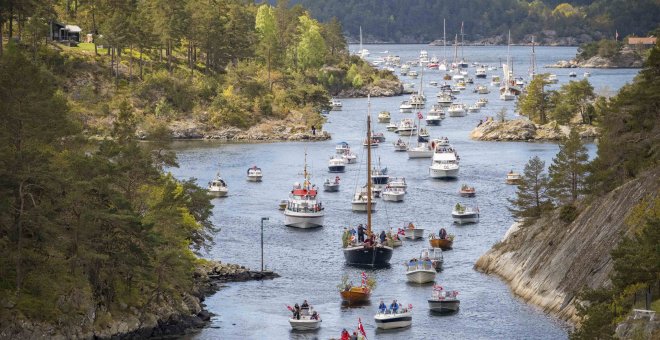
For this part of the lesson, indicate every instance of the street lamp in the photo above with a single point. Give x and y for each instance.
(262, 242)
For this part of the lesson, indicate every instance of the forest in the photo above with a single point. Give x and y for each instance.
(420, 21)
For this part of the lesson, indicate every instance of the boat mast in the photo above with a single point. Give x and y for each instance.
(369, 166)
(306, 184)
(462, 41)
(533, 71)
(361, 42)
(444, 40)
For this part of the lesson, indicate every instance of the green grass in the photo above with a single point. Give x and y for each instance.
(655, 305)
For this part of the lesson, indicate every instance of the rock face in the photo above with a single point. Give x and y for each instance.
(642, 328)
(548, 261)
(525, 130)
(166, 318)
(626, 58)
(381, 88)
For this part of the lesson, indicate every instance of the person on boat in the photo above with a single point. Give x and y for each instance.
(412, 263)
(427, 263)
(345, 335)
(296, 311)
(315, 316)
(383, 237)
(336, 179)
(360, 233)
(394, 307)
(442, 233)
(304, 304)
(354, 336)
(382, 308)
(369, 242)
(411, 225)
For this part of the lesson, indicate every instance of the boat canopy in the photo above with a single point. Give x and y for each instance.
(304, 192)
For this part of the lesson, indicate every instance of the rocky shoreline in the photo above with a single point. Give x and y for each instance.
(626, 58)
(166, 318)
(382, 88)
(525, 130)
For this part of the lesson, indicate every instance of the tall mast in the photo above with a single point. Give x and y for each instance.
(533, 71)
(456, 48)
(462, 38)
(444, 39)
(360, 41)
(306, 183)
(369, 166)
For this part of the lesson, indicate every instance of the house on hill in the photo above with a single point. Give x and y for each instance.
(64, 33)
(642, 42)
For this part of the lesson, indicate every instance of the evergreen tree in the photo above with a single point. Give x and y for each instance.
(531, 197)
(568, 170)
(534, 103)
(574, 98)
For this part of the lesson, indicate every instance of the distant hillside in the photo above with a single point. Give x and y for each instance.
(409, 21)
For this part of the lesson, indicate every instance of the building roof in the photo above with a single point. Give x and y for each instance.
(642, 40)
(73, 28)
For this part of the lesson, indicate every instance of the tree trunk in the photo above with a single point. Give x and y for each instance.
(169, 56)
(96, 50)
(111, 51)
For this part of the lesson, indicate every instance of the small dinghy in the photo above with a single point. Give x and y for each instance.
(420, 271)
(413, 233)
(331, 186)
(304, 318)
(467, 191)
(394, 317)
(443, 301)
(463, 214)
(254, 174)
(400, 146)
(442, 241)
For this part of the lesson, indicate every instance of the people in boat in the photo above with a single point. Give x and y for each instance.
(336, 179)
(394, 307)
(383, 237)
(382, 308)
(315, 316)
(411, 225)
(354, 336)
(370, 241)
(442, 233)
(296, 311)
(360, 233)
(304, 304)
(345, 335)
(427, 263)
(412, 263)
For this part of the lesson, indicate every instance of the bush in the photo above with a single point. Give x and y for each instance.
(177, 90)
(568, 213)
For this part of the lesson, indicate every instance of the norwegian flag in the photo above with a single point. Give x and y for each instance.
(419, 115)
(410, 306)
(364, 279)
(437, 288)
(401, 232)
(289, 308)
(361, 328)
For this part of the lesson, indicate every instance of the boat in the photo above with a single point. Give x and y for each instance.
(463, 214)
(508, 90)
(572, 74)
(393, 194)
(433, 83)
(390, 320)
(412, 232)
(423, 57)
(408, 88)
(254, 174)
(303, 209)
(406, 127)
(422, 150)
(423, 135)
(552, 78)
(307, 320)
(474, 108)
(456, 110)
(513, 177)
(587, 74)
(384, 117)
(336, 164)
(445, 99)
(435, 255)
(417, 101)
(379, 177)
(369, 253)
(460, 85)
(331, 185)
(400, 145)
(482, 102)
(507, 95)
(440, 142)
(435, 116)
(443, 301)
(405, 107)
(373, 144)
(445, 163)
(363, 52)
(443, 243)
(481, 72)
(282, 204)
(341, 148)
(420, 271)
(481, 89)
(360, 200)
(218, 187)
(349, 157)
(467, 191)
(335, 104)
(351, 294)
(495, 80)
(404, 69)
(392, 127)
(378, 136)
(397, 182)
(413, 74)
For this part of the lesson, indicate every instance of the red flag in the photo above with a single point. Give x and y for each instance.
(361, 329)
(419, 115)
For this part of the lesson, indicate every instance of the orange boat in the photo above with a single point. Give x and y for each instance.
(356, 295)
(444, 244)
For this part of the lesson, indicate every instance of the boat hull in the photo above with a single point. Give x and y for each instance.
(384, 120)
(254, 178)
(218, 193)
(443, 173)
(392, 321)
(353, 297)
(466, 218)
(336, 168)
(444, 306)
(420, 154)
(442, 244)
(433, 122)
(457, 113)
(393, 197)
(362, 206)
(375, 257)
(303, 220)
(406, 132)
(331, 187)
(421, 276)
(304, 324)
(467, 193)
(414, 234)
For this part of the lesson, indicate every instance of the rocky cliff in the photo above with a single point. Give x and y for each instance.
(626, 58)
(548, 262)
(525, 130)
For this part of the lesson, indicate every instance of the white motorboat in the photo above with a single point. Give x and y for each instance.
(456, 110)
(400, 145)
(413, 74)
(480, 72)
(397, 182)
(482, 102)
(463, 214)
(422, 150)
(460, 85)
(379, 136)
(349, 157)
(587, 74)
(513, 177)
(303, 209)
(435, 116)
(552, 78)
(474, 108)
(308, 320)
(481, 89)
(440, 142)
(392, 127)
(218, 186)
(444, 301)
(384, 117)
(402, 318)
(254, 174)
(405, 107)
(423, 58)
(433, 83)
(420, 271)
(495, 80)
(445, 163)
(417, 101)
(507, 95)
(342, 147)
(379, 177)
(359, 202)
(336, 164)
(413, 232)
(335, 104)
(404, 69)
(445, 99)
(406, 127)
(572, 74)
(331, 186)
(434, 255)
(393, 194)
(374, 143)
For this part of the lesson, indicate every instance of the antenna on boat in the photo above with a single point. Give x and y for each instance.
(305, 174)
(369, 166)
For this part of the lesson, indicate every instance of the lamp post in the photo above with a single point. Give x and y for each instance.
(262, 242)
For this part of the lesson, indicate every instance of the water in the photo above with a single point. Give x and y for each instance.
(311, 262)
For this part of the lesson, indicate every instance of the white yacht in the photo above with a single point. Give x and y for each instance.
(406, 127)
(481, 89)
(456, 110)
(400, 145)
(413, 74)
(335, 104)
(336, 164)
(254, 174)
(405, 107)
(422, 150)
(397, 182)
(435, 116)
(417, 101)
(463, 214)
(400, 319)
(445, 163)
(359, 202)
(445, 99)
(474, 108)
(218, 187)
(384, 117)
(342, 147)
(482, 102)
(304, 210)
(391, 127)
(420, 271)
(480, 72)
(393, 194)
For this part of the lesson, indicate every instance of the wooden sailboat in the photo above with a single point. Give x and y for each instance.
(368, 254)
(356, 294)
(444, 244)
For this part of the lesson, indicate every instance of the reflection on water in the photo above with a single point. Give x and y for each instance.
(311, 261)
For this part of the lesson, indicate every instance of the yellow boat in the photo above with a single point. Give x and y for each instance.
(356, 294)
(444, 244)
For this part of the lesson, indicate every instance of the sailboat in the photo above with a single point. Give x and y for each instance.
(462, 63)
(363, 52)
(422, 150)
(368, 254)
(532, 67)
(443, 65)
(506, 92)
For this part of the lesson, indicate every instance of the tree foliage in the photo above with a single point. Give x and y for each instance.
(534, 102)
(568, 170)
(531, 196)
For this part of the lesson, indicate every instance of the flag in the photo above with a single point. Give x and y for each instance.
(289, 308)
(410, 306)
(361, 329)
(419, 115)
(437, 288)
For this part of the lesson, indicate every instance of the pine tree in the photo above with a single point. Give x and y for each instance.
(531, 198)
(568, 170)
(534, 103)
